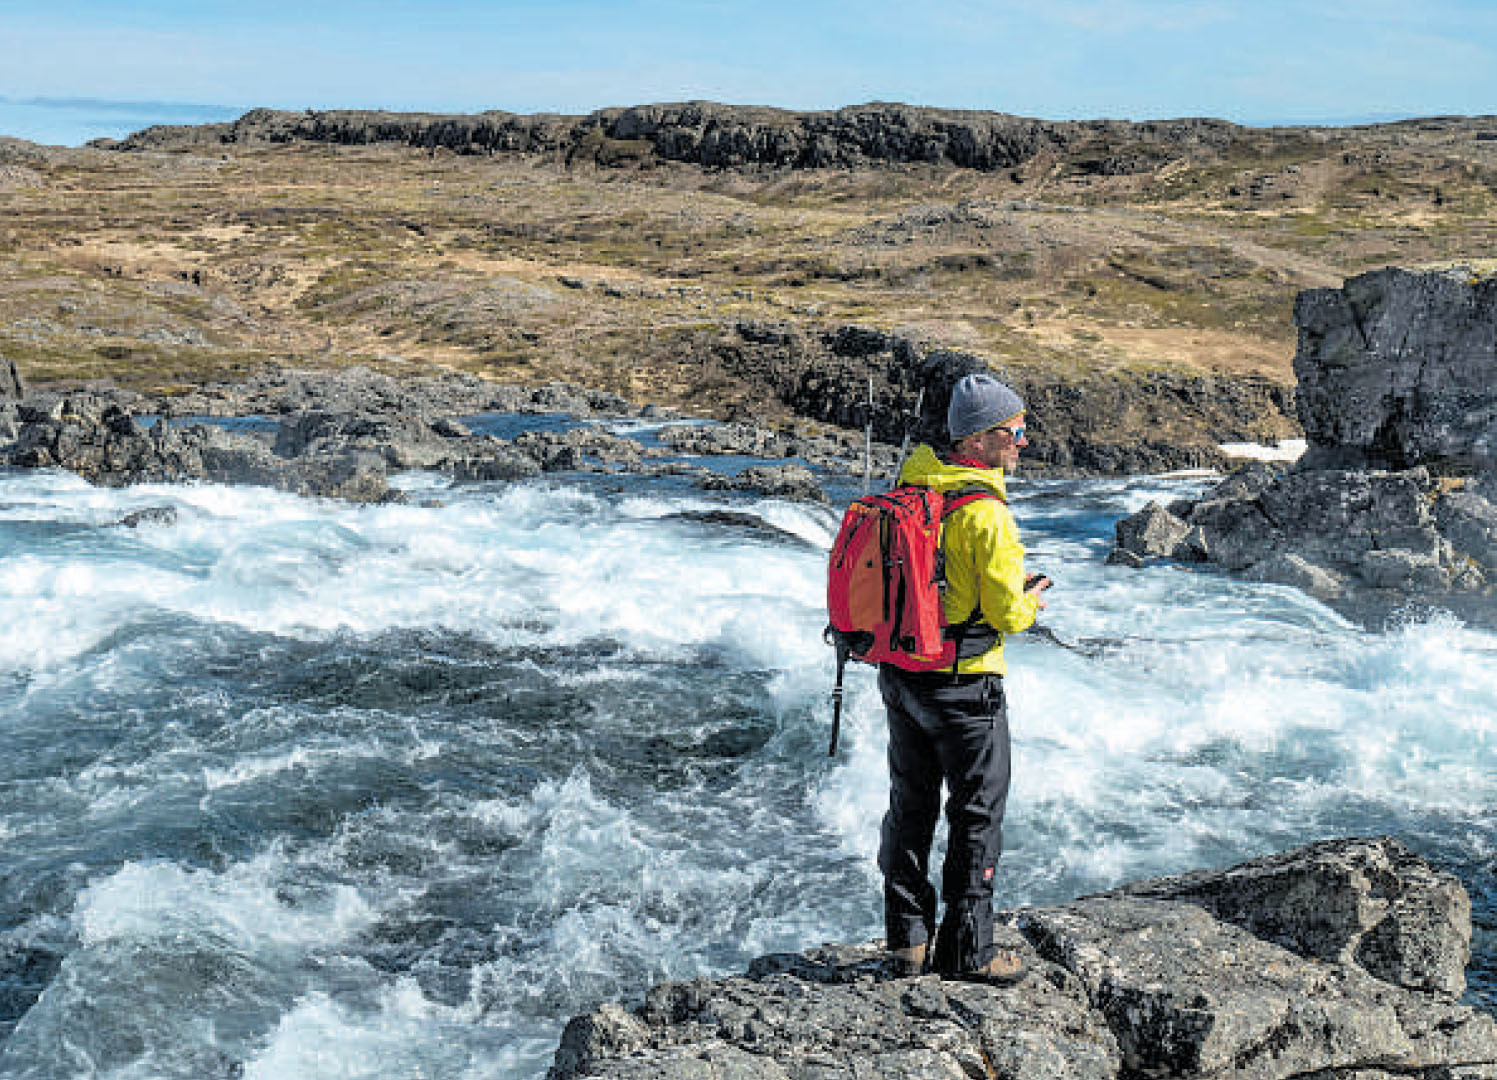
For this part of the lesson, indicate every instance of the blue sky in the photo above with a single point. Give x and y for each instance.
(1260, 62)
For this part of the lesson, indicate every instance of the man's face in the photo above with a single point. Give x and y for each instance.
(999, 446)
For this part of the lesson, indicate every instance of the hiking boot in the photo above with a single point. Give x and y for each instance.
(1004, 969)
(909, 962)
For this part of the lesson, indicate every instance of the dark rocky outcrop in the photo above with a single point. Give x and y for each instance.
(105, 444)
(1398, 369)
(1398, 395)
(1079, 422)
(12, 386)
(12, 390)
(1468, 518)
(403, 441)
(558, 451)
(503, 465)
(1375, 905)
(833, 453)
(1327, 531)
(150, 515)
(1344, 959)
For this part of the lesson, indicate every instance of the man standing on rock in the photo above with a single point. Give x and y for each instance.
(952, 726)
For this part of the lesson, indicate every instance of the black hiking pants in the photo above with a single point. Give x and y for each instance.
(950, 729)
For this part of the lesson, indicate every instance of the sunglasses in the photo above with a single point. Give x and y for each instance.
(1014, 433)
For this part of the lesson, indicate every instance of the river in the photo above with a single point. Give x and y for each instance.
(294, 788)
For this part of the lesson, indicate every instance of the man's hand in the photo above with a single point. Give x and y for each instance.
(1035, 585)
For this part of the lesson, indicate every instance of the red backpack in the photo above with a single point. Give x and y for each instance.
(884, 584)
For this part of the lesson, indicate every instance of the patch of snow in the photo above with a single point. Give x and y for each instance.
(1286, 450)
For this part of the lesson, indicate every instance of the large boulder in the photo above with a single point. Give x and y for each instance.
(97, 439)
(1336, 534)
(776, 481)
(404, 442)
(1152, 531)
(1369, 903)
(559, 451)
(1398, 397)
(1469, 520)
(1286, 568)
(1344, 958)
(1397, 369)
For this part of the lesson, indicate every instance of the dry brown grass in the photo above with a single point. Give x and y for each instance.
(166, 268)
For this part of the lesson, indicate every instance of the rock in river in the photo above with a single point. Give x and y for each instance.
(1398, 396)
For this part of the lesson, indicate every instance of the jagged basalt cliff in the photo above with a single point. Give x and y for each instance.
(718, 136)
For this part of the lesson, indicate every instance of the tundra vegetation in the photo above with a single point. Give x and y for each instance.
(185, 256)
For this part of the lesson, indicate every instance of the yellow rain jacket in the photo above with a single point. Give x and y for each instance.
(984, 559)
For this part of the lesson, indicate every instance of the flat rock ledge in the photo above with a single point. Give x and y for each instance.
(1344, 959)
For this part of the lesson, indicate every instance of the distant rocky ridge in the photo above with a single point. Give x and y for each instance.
(718, 136)
(1343, 960)
(1398, 490)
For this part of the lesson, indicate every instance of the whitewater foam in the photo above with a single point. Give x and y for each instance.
(242, 906)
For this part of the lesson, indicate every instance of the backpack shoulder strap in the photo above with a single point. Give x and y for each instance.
(961, 497)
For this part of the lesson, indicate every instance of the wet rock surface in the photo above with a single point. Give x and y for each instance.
(843, 453)
(778, 481)
(104, 443)
(1332, 532)
(1341, 959)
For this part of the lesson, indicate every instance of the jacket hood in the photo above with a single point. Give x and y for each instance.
(926, 469)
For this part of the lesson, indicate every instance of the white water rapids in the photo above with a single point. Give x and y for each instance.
(291, 788)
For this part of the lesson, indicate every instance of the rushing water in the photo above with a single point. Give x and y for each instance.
(292, 788)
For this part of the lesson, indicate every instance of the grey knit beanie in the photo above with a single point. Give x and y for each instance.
(977, 403)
